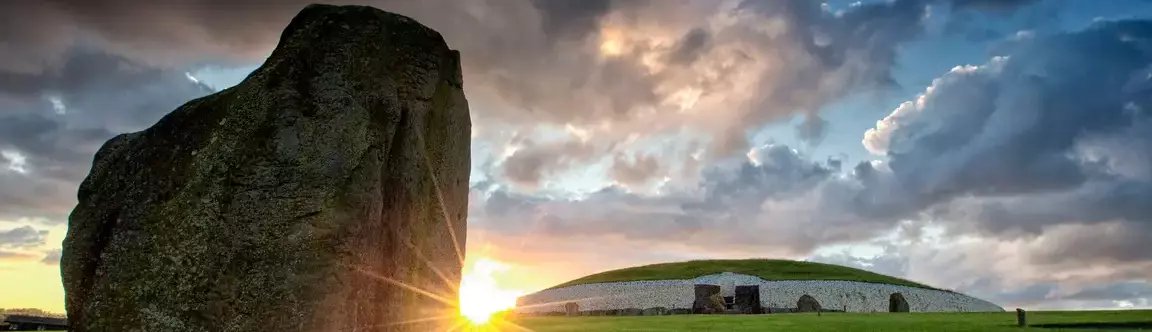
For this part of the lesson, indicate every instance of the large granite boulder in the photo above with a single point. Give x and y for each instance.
(298, 200)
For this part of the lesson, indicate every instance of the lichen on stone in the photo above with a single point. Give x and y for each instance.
(280, 203)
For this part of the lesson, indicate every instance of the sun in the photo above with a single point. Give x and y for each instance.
(480, 296)
(612, 42)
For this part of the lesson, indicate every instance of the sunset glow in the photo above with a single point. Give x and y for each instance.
(611, 42)
(480, 295)
(434, 165)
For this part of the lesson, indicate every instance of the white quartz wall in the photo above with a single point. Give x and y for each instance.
(836, 295)
(855, 296)
(612, 295)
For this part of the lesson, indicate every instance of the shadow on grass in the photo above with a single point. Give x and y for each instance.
(1147, 325)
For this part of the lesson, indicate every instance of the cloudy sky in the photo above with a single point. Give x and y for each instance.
(998, 148)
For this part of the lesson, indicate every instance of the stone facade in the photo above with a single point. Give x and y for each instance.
(850, 296)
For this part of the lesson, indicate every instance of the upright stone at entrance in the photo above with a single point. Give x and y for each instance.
(296, 201)
(748, 299)
(572, 309)
(705, 301)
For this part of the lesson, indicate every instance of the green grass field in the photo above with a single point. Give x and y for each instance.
(768, 269)
(1005, 321)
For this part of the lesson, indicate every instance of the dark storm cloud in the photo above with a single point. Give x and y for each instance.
(997, 5)
(778, 172)
(1051, 142)
(782, 202)
(690, 46)
(514, 58)
(571, 18)
(869, 32)
(534, 163)
(1010, 280)
(884, 264)
(1035, 135)
(1116, 291)
(57, 119)
(1047, 144)
(562, 62)
(1114, 243)
(852, 50)
(608, 212)
(159, 32)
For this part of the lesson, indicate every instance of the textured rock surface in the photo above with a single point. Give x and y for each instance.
(679, 295)
(286, 202)
(571, 309)
(703, 301)
(807, 304)
(748, 299)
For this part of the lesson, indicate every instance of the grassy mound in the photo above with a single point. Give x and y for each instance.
(768, 269)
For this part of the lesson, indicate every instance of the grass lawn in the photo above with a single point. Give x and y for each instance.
(1004, 321)
(768, 269)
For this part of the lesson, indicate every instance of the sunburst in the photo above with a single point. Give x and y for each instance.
(480, 304)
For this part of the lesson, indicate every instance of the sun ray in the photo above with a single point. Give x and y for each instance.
(406, 322)
(440, 200)
(421, 320)
(517, 326)
(458, 325)
(477, 305)
(453, 285)
(408, 287)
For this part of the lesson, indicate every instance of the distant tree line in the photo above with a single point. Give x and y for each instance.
(30, 312)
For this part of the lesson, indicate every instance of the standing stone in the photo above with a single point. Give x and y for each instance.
(715, 304)
(572, 309)
(703, 303)
(748, 299)
(295, 201)
(807, 304)
(897, 303)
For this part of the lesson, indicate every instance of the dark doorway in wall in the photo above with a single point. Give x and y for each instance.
(897, 303)
(807, 303)
(748, 299)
